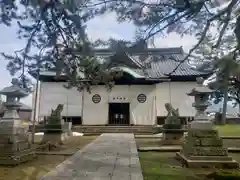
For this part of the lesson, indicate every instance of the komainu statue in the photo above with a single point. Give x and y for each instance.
(172, 128)
(54, 128)
(173, 115)
(55, 117)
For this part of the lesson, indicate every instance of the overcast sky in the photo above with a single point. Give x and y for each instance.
(102, 27)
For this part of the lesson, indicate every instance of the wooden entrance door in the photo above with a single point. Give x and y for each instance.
(119, 114)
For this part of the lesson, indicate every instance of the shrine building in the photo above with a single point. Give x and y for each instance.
(137, 98)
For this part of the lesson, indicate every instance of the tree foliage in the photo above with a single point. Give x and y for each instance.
(56, 28)
(198, 18)
(55, 36)
(226, 84)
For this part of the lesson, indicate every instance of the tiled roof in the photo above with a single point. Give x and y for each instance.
(151, 62)
(163, 61)
(166, 66)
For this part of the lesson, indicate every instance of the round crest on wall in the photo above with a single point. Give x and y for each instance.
(141, 98)
(96, 98)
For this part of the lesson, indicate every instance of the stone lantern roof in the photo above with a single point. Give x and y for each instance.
(14, 90)
(200, 89)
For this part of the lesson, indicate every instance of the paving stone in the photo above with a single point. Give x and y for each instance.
(121, 176)
(136, 176)
(109, 157)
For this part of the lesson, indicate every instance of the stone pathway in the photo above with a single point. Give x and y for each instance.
(109, 157)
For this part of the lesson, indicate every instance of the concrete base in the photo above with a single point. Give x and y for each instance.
(15, 149)
(207, 162)
(204, 125)
(15, 158)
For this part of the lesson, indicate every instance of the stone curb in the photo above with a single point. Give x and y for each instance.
(230, 137)
(174, 149)
(56, 153)
(156, 137)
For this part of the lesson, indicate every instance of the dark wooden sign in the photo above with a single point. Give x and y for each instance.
(141, 98)
(96, 98)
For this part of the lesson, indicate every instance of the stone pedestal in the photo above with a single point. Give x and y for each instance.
(14, 145)
(172, 136)
(55, 134)
(204, 125)
(204, 149)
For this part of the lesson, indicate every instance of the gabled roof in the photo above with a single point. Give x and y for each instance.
(151, 63)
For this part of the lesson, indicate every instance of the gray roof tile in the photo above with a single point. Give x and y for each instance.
(161, 65)
(160, 61)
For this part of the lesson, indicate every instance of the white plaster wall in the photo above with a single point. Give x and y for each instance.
(95, 114)
(140, 113)
(175, 93)
(143, 113)
(53, 93)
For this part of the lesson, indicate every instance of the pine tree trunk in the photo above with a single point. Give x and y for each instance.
(225, 97)
(225, 100)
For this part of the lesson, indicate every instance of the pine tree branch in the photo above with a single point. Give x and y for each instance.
(167, 25)
(206, 29)
(226, 22)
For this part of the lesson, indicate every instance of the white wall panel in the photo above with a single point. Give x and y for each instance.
(140, 113)
(176, 94)
(52, 94)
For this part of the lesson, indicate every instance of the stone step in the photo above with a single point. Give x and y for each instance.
(115, 129)
(108, 129)
(99, 133)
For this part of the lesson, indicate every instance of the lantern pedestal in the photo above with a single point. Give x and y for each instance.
(204, 149)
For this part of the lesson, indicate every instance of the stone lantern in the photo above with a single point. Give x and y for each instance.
(13, 94)
(203, 147)
(14, 145)
(201, 96)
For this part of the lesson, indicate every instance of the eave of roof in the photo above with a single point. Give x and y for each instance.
(129, 71)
